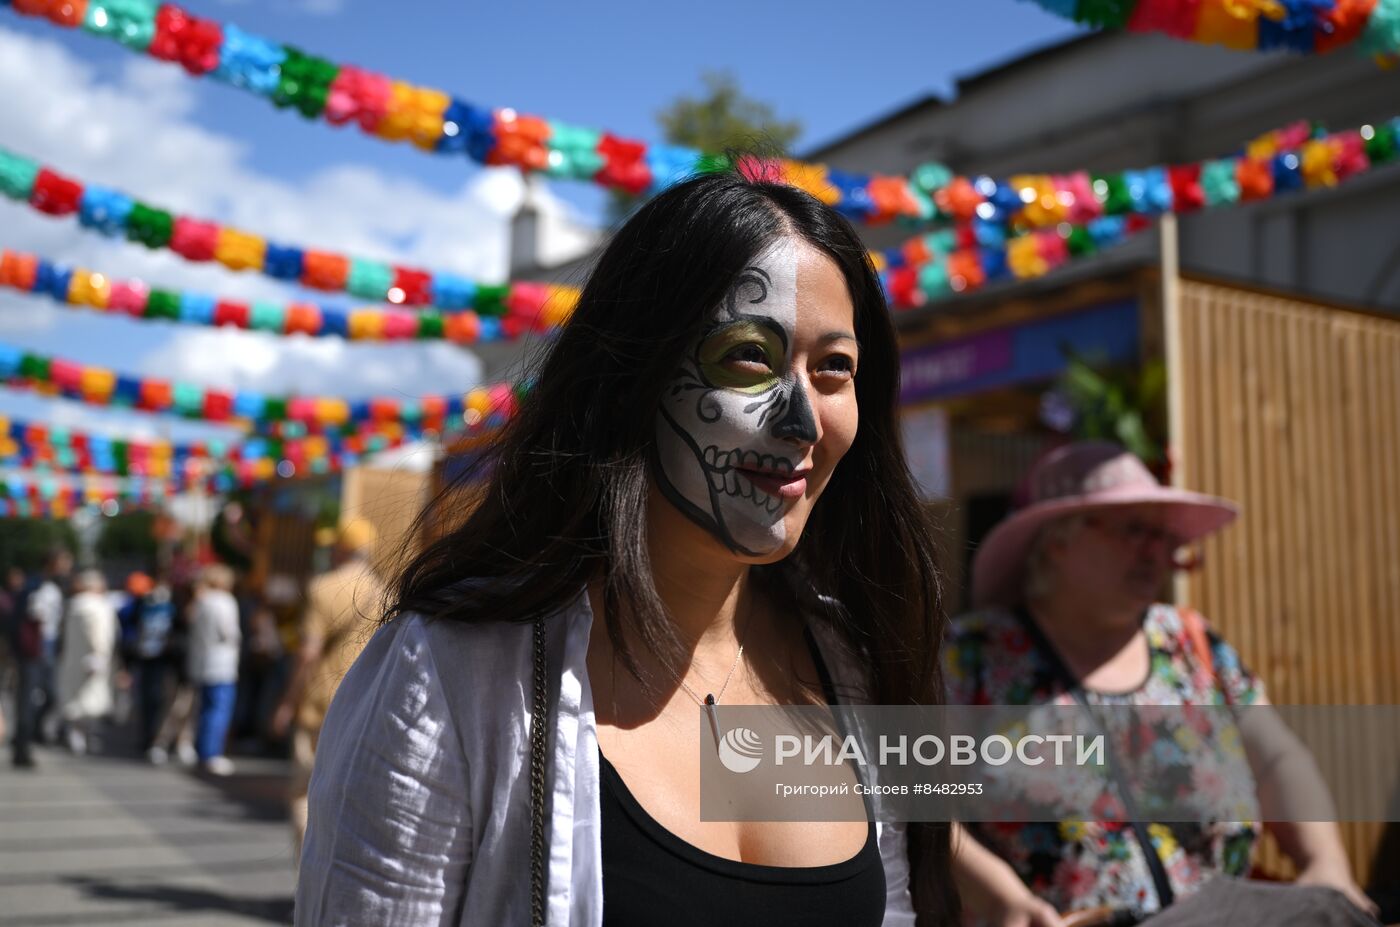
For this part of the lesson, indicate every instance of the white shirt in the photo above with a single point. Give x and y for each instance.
(419, 807)
(214, 638)
(85, 665)
(46, 607)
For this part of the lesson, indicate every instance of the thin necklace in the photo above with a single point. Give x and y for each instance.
(712, 699)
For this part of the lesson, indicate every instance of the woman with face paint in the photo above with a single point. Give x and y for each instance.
(703, 500)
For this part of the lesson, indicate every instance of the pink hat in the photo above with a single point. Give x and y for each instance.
(1081, 477)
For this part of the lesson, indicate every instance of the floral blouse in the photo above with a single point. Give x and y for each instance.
(991, 659)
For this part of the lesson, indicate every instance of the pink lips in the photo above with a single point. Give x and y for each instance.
(784, 485)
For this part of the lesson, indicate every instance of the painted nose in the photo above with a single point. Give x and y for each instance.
(797, 421)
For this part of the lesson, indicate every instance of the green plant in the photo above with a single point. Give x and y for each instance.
(1123, 405)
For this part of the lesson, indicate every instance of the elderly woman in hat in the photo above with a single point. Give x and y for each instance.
(1067, 596)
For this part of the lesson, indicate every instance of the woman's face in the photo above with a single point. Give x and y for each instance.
(763, 405)
(1121, 557)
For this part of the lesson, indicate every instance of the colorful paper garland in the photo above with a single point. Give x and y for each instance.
(1019, 202)
(482, 407)
(511, 308)
(434, 121)
(1267, 165)
(1301, 26)
(974, 253)
(32, 494)
(1029, 201)
(36, 445)
(78, 288)
(61, 509)
(951, 261)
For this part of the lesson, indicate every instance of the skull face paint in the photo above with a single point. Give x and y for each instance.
(736, 410)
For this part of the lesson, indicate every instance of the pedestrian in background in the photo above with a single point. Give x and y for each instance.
(214, 646)
(10, 600)
(333, 632)
(261, 676)
(138, 584)
(176, 732)
(86, 661)
(151, 657)
(40, 616)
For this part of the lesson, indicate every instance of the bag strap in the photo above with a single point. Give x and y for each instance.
(1199, 640)
(539, 735)
(1166, 896)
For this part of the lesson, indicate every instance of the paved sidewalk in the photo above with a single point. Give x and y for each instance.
(106, 840)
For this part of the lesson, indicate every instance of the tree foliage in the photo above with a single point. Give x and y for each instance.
(723, 117)
(129, 536)
(26, 542)
(720, 119)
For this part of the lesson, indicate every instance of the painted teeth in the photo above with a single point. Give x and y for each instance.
(722, 461)
(716, 481)
(731, 483)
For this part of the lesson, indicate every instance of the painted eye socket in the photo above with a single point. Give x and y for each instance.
(748, 355)
(742, 356)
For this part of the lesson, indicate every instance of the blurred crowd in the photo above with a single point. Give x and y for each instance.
(184, 663)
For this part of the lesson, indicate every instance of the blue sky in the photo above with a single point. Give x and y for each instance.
(99, 112)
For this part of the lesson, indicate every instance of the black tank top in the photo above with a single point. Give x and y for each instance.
(652, 877)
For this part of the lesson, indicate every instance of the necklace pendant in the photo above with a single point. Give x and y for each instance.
(713, 716)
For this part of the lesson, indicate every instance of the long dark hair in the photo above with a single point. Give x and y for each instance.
(559, 498)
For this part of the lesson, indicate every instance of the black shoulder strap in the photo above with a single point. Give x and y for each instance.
(1165, 894)
(539, 735)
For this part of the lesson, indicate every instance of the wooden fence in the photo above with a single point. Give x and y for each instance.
(1292, 409)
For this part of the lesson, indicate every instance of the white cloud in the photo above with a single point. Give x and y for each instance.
(135, 133)
(244, 360)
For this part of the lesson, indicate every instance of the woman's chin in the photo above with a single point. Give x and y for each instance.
(775, 547)
(768, 554)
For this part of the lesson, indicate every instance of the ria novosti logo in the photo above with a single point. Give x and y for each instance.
(740, 750)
